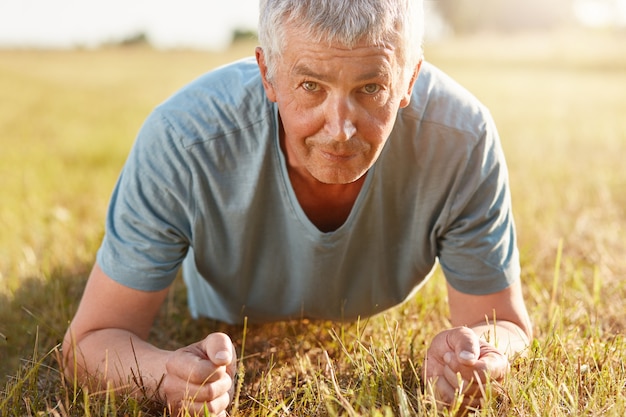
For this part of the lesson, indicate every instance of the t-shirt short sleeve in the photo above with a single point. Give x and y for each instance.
(477, 251)
(147, 225)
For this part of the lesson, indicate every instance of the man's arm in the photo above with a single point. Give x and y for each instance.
(106, 343)
(500, 318)
(489, 330)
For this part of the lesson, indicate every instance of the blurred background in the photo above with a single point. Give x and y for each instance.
(202, 24)
(212, 24)
(78, 77)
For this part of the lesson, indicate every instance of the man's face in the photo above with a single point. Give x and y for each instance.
(337, 105)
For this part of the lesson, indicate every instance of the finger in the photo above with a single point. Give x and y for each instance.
(493, 363)
(447, 395)
(433, 366)
(213, 394)
(219, 349)
(232, 367)
(192, 369)
(212, 390)
(459, 381)
(465, 344)
(442, 392)
(204, 361)
(476, 377)
(469, 383)
(205, 390)
(461, 393)
(468, 373)
(216, 406)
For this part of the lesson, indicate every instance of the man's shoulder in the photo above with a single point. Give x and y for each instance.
(439, 99)
(224, 100)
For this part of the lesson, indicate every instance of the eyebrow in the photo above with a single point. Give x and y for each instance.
(306, 71)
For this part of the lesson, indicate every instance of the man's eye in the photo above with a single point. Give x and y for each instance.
(310, 86)
(371, 88)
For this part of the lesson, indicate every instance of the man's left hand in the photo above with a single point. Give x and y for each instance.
(459, 362)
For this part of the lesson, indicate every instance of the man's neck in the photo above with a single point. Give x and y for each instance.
(326, 205)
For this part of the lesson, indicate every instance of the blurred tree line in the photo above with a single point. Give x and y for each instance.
(466, 16)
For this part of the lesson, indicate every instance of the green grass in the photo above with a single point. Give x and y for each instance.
(68, 119)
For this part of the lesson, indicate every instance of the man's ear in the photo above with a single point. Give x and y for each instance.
(406, 99)
(267, 85)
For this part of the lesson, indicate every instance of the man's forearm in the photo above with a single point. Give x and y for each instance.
(115, 358)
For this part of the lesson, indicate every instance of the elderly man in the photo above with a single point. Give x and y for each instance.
(324, 179)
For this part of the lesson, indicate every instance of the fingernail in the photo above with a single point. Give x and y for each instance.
(465, 355)
(222, 355)
(447, 357)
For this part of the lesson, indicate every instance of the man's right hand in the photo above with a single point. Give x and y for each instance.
(107, 343)
(201, 375)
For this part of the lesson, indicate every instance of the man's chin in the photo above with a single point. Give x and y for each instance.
(339, 177)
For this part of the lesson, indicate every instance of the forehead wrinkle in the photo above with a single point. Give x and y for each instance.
(379, 73)
(305, 70)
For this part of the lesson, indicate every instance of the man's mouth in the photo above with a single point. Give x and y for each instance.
(335, 156)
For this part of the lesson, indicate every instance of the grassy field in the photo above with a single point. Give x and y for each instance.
(68, 119)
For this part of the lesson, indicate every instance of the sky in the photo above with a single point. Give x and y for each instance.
(205, 24)
(601, 13)
(201, 24)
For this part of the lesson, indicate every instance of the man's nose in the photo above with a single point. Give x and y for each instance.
(340, 113)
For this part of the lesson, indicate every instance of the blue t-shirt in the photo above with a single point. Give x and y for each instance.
(206, 186)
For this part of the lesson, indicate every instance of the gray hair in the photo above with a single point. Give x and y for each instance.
(344, 21)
